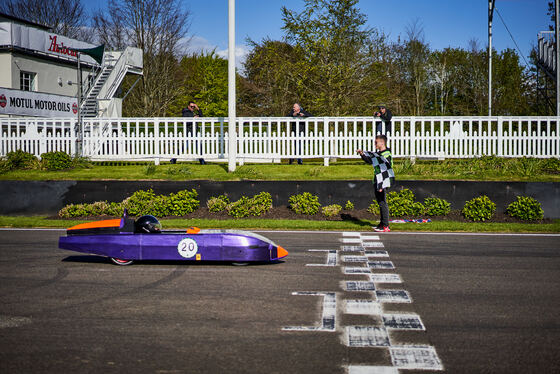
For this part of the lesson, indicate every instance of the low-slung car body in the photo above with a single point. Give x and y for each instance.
(123, 241)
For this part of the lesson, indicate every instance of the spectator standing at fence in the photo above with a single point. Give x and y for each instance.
(192, 110)
(383, 177)
(385, 115)
(298, 127)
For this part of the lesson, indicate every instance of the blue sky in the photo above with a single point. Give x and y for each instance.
(446, 22)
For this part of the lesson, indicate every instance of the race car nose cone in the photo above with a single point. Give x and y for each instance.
(281, 252)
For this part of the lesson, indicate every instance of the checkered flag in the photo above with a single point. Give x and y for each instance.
(384, 174)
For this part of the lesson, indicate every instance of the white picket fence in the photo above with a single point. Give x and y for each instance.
(269, 139)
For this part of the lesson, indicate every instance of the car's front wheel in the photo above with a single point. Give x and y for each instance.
(120, 262)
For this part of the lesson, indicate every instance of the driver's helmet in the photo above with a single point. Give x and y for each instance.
(147, 224)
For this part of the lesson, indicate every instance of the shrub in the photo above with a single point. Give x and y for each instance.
(373, 208)
(304, 203)
(255, 206)
(217, 204)
(72, 210)
(479, 209)
(20, 160)
(114, 209)
(139, 203)
(331, 210)
(239, 208)
(525, 208)
(349, 205)
(551, 165)
(402, 203)
(182, 202)
(260, 203)
(437, 207)
(56, 160)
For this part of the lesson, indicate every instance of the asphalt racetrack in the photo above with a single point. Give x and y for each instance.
(408, 303)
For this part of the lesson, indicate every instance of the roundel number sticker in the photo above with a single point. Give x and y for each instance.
(187, 248)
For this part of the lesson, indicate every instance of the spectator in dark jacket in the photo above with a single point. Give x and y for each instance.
(298, 127)
(385, 115)
(192, 110)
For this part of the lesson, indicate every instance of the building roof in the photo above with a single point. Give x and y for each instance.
(24, 21)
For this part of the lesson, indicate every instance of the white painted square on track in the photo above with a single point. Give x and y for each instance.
(352, 248)
(365, 369)
(354, 259)
(385, 278)
(367, 336)
(363, 307)
(415, 357)
(373, 245)
(356, 270)
(359, 286)
(393, 296)
(376, 253)
(403, 322)
(381, 265)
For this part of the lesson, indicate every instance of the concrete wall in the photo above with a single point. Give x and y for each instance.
(47, 197)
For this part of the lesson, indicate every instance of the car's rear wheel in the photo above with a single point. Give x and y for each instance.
(121, 262)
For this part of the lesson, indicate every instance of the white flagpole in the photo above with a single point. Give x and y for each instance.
(232, 133)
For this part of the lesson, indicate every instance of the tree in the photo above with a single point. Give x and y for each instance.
(65, 17)
(157, 27)
(203, 78)
(335, 42)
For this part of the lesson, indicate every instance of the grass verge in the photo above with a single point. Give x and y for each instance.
(275, 224)
(485, 169)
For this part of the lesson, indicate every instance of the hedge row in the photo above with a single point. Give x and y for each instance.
(401, 204)
(49, 161)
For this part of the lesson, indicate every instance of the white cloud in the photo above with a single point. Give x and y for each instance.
(199, 44)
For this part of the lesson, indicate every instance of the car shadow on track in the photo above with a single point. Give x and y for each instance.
(105, 260)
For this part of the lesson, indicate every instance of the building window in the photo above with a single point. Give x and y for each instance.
(27, 81)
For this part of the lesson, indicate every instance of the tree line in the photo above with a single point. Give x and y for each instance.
(329, 61)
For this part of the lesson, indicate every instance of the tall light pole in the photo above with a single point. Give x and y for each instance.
(490, 16)
(557, 31)
(232, 133)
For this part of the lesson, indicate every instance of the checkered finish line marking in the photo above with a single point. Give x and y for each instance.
(328, 319)
(402, 357)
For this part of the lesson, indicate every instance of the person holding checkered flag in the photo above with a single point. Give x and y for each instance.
(383, 177)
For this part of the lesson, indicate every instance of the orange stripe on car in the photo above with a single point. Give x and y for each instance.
(97, 224)
(193, 230)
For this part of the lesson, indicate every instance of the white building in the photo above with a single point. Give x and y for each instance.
(38, 73)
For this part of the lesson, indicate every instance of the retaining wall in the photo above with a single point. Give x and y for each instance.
(47, 197)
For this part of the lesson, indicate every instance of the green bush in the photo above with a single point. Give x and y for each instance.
(56, 160)
(20, 160)
(182, 203)
(217, 204)
(551, 165)
(239, 208)
(139, 203)
(373, 208)
(304, 203)
(401, 203)
(331, 210)
(349, 205)
(525, 208)
(260, 203)
(479, 209)
(255, 206)
(437, 207)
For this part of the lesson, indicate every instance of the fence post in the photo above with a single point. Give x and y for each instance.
(326, 148)
(499, 137)
(413, 139)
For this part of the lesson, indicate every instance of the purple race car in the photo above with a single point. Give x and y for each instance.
(125, 240)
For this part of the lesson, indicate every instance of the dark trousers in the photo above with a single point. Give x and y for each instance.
(381, 198)
(379, 128)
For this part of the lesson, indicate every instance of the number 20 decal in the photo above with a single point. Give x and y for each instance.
(187, 248)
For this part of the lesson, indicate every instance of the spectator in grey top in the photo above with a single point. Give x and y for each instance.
(192, 110)
(298, 127)
(385, 115)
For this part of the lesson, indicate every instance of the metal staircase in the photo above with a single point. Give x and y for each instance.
(114, 68)
(546, 68)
